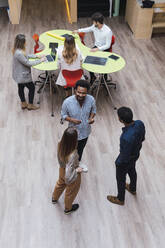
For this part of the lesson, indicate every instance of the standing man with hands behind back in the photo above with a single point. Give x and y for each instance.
(133, 134)
(79, 110)
(102, 34)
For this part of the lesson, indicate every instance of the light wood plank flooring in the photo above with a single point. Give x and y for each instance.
(28, 162)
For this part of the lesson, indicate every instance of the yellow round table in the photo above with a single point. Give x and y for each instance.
(110, 66)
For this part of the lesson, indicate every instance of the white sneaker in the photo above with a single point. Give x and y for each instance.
(84, 167)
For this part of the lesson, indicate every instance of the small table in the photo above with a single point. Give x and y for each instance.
(110, 67)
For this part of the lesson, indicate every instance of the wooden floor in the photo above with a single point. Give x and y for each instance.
(28, 161)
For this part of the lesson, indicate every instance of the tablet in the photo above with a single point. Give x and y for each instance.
(114, 57)
(49, 58)
(95, 60)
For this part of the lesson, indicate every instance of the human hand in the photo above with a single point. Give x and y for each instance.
(40, 56)
(79, 169)
(43, 59)
(75, 31)
(75, 121)
(91, 120)
(94, 49)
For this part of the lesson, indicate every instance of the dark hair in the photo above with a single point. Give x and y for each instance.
(82, 83)
(98, 17)
(19, 42)
(125, 114)
(67, 144)
(69, 39)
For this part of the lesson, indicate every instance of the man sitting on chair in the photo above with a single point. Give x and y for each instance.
(102, 34)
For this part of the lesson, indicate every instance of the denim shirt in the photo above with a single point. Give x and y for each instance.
(72, 108)
(131, 143)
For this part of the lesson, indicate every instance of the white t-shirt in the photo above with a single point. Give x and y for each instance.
(62, 65)
(103, 36)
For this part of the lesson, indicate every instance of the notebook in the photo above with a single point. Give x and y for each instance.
(95, 60)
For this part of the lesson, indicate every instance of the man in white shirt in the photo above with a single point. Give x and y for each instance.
(102, 34)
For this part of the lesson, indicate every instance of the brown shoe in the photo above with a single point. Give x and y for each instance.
(32, 107)
(114, 200)
(128, 188)
(24, 105)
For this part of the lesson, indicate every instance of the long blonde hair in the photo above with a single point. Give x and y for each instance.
(19, 43)
(67, 144)
(69, 52)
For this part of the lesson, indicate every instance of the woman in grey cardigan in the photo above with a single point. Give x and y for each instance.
(69, 172)
(22, 71)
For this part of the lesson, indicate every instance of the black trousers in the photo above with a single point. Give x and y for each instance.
(121, 172)
(81, 146)
(31, 89)
(92, 74)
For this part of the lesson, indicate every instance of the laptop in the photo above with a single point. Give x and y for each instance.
(53, 45)
(49, 58)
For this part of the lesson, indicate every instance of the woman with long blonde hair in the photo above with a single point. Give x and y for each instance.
(69, 171)
(21, 71)
(69, 52)
(69, 58)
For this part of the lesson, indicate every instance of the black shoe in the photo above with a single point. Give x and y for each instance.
(74, 208)
(54, 201)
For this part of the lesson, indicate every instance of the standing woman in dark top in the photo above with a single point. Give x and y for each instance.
(21, 71)
(69, 171)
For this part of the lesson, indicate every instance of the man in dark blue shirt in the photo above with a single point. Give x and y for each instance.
(133, 134)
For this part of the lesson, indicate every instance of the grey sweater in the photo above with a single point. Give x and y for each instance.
(21, 67)
(70, 167)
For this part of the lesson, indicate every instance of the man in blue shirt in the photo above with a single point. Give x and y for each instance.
(79, 110)
(133, 134)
